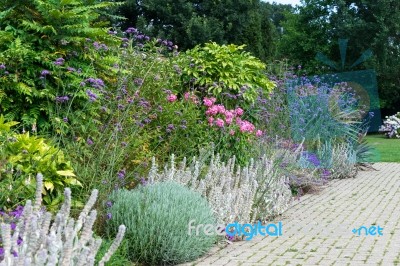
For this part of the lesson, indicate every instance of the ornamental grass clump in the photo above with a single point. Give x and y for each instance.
(157, 217)
(37, 240)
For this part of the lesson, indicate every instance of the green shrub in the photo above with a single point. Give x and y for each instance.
(225, 69)
(22, 156)
(157, 218)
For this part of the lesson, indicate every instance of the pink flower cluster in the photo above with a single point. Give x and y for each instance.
(172, 98)
(218, 115)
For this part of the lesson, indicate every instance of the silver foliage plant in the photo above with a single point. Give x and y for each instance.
(235, 193)
(344, 161)
(61, 242)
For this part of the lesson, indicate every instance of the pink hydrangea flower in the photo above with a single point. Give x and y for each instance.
(239, 111)
(210, 120)
(259, 133)
(172, 98)
(219, 122)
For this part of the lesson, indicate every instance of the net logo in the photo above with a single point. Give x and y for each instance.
(368, 231)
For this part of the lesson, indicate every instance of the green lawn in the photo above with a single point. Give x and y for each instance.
(385, 150)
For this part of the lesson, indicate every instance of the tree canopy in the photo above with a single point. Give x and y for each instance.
(191, 22)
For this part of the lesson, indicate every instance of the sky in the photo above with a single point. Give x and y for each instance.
(292, 2)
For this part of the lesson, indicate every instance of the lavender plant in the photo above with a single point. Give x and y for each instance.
(36, 240)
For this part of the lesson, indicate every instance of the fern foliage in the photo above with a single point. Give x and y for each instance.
(49, 49)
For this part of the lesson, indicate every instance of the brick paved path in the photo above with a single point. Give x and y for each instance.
(317, 230)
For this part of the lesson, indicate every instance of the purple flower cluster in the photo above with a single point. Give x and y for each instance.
(11, 218)
(92, 95)
(138, 82)
(312, 158)
(59, 61)
(89, 141)
(168, 44)
(100, 46)
(143, 181)
(121, 174)
(143, 103)
(62, 99)
(170, 128)
(95, 83)
(136, 35)
(325, 174)
(131, 30)
(45, 73)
